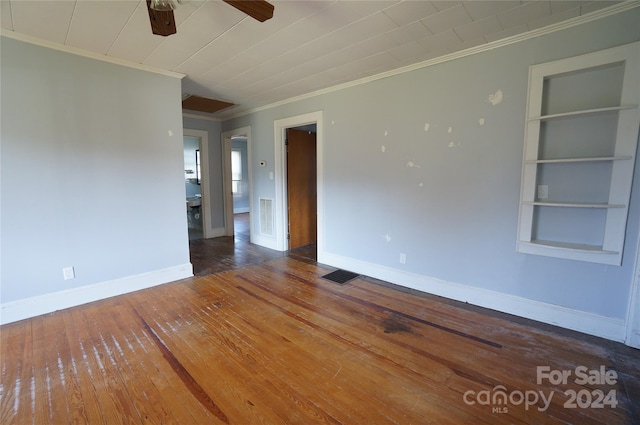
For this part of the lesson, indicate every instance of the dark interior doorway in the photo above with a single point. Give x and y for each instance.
(302, 186)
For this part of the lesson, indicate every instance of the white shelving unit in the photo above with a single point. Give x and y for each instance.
(580, 145)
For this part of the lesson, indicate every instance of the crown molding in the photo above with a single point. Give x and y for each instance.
(578, 20)
(84, 53)
(200, 117)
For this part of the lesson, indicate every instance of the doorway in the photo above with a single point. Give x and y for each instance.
(301, 180)
(196, 168)
(240, 188)
(236, 164)
(193, 186)
(281, 202)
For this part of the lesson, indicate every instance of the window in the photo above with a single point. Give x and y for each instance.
(236, 172)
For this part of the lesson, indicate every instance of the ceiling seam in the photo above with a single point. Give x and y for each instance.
(210, 42)
(257, 44)
(178, 26)
(306, 45)
(73, 13)
(122, 29)
(13, 25)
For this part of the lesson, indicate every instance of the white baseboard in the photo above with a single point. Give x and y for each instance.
(42, 304)
(588, 323)
(216, 232)
(241, 210)
(265, 241)
(633, 339)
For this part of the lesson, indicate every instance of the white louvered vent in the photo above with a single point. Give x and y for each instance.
(266, 216)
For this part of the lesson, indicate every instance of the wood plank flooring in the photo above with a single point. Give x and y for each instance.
(275, 343)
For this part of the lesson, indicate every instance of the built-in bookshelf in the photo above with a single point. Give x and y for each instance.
(580, 145)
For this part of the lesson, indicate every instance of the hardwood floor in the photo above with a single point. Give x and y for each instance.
(215, 255)
(275, 343)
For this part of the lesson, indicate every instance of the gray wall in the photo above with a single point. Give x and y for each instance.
(92, 171)
(445, 188)
(215, 166)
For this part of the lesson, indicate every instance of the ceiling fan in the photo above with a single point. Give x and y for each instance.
(163, 22)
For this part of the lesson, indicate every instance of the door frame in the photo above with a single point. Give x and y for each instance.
(632, 337)
(205, 207)
(281, 205)
(227, 179)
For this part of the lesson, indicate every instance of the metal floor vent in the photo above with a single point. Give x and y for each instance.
(340, 276)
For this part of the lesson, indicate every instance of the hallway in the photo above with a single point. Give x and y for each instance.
(215, 255)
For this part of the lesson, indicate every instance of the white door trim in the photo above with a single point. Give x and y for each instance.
(203, 139)
(632, 337)
(226, 178)
(281, 206)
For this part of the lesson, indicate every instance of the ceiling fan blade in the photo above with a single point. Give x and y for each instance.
(162, 21)
(260, 10)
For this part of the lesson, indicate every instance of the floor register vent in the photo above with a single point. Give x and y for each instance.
(340, 276)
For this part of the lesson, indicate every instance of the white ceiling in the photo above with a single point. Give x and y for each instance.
(307, 46)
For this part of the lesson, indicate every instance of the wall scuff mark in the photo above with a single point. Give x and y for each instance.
(496, 98)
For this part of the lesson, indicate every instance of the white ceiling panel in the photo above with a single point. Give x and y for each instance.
(479, 9)
(406, 12)
(95, 24)
(336, 15)
(193, 67)
(308, 45)
(407, 51)
(446, 40)
(379, 43)
(411, 32)
(447, 4)
(135, 42)
(369, 7)
(210, 15)
(5, 15)
(449, 18)
(365, 28)
(48, 20)
(522, 14)
(166, 57)
(558, 6)
(593, 6)
(552, 19)
(480, 28)
(509, 32)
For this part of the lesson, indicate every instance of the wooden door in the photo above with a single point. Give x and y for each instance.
(301, 187)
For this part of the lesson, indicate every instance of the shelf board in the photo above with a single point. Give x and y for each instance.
(582, 112)
(565, 160)
(571, 246)
(573, 204)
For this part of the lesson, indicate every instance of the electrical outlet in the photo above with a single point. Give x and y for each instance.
(68, 273)
(403, 258)
(543, 191)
